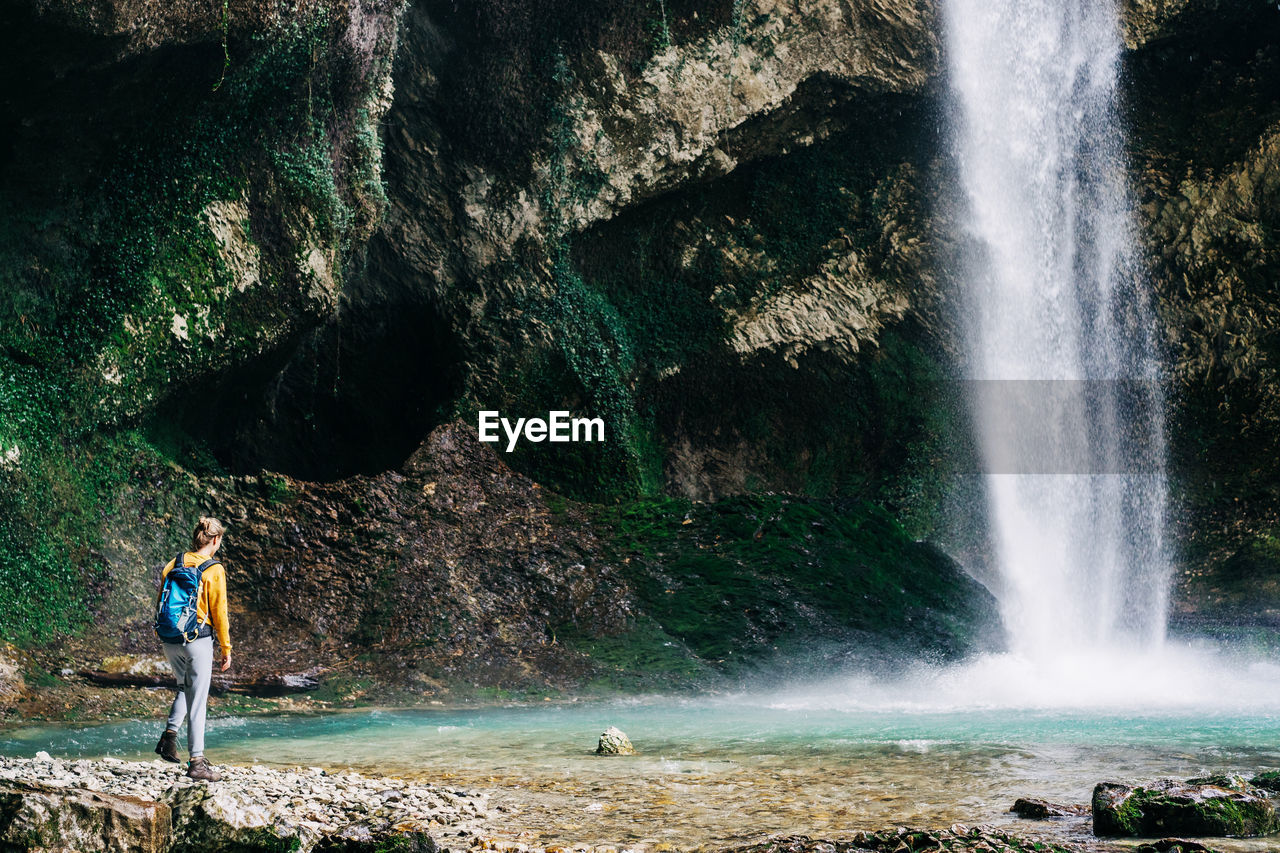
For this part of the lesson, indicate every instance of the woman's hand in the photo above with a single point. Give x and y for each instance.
(226, 659)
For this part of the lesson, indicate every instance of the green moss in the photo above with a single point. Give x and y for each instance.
(54, 497)
(89, 288)
(644, 657)
(742, 578)
(1156, 812)
(277, 489)
(1125, 820)
(1268, 781)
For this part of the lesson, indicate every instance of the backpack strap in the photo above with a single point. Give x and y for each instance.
(200, 577)
(177, 564)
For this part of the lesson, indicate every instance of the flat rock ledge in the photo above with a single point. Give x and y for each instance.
(55, 805)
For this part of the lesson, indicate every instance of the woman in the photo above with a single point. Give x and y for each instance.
(192, 661)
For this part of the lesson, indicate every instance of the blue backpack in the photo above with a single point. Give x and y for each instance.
(176, 618)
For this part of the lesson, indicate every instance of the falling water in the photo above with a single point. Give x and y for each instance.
(1060, 350)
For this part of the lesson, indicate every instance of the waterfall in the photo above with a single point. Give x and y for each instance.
(1062, 375)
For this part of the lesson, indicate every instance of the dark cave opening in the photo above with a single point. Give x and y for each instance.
(355, 396)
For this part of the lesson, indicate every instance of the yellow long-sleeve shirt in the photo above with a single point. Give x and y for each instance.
(211, 604)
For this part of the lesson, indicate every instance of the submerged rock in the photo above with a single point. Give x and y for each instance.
(1185, 808)
(1173, 845)
(1035, 809)
(613, 741)
(959, 839)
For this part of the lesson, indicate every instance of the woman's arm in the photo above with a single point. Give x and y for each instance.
(216, 592)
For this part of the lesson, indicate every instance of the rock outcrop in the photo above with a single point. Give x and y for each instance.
(1204, 119)
(1222, 806)
(125, 807)
(507, 254)
(35, 816)
(12, 684)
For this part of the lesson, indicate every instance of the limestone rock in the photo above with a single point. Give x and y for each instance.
(251, 809)
(208, 817)
(613, 741)
(690, 102)
(145, 665)
(840, 307)
(1184, 808)
(60, 820)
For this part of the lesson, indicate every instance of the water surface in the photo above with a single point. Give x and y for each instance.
(723, 770)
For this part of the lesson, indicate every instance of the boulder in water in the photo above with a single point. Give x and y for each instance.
(1184, 808)
(613, 741)
(1035, 809)
(62, 820)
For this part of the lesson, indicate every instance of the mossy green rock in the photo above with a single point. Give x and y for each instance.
(1269, 781)
(1168, 807)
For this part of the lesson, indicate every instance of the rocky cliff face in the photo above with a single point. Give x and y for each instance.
(1205, 113)
(253, 257)
(182, 202)
(629, 240)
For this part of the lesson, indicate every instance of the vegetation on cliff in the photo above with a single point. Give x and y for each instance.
(236, 276)
(167, 222)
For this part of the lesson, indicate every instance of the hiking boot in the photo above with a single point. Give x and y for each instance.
(167, 748)
(201, 769)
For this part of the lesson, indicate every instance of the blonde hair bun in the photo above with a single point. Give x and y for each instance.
(207, 529)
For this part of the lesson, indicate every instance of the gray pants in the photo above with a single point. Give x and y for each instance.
(193, 667)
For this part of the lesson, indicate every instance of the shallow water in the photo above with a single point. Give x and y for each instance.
(714, 771)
